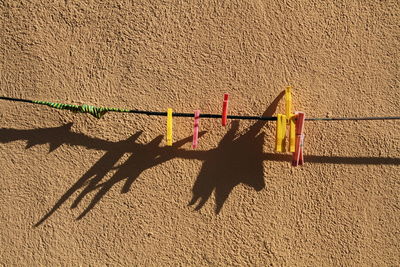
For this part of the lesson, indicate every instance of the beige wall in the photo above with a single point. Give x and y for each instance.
(80, 191)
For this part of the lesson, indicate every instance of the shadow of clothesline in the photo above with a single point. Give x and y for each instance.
(337, 159)
(238, 159)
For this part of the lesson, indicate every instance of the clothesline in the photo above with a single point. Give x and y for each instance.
(98, 112)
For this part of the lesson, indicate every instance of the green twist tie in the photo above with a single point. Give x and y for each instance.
(97, 112)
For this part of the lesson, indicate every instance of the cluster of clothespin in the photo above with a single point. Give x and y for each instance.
(296, 127)
(294, 120)
(196, 122)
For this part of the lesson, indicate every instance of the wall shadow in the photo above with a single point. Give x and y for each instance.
(141, 158)
(238, 159)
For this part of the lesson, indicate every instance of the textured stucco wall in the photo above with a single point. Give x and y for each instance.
(77, 190)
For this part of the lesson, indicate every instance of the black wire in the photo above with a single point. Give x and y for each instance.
(354, 119)
(16, 99)
(212, 116)
(217, 116)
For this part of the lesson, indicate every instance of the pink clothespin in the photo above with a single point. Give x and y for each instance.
(298, 158)
(225, 109)
(196, 128)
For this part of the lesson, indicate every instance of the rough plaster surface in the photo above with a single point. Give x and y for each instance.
(80, 191)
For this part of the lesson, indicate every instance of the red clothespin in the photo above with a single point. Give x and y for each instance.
(225, 109)
(298, 158)
(196, 128)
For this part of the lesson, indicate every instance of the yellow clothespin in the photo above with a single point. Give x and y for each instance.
(280, 133)
(288, 98)
(169, 127)
(290, 119)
